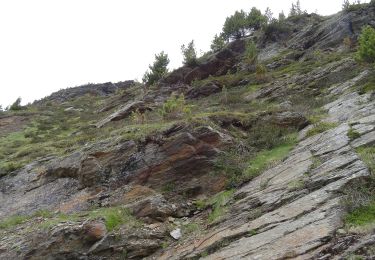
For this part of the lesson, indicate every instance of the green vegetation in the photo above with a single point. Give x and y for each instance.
(367, 154)
(240, 22)
(296, 10)
(366, 49)
(13, 221)
(175, 107)
(218, 204)
(190, 54)
(320, 127)
(251, 53)
(361, 197)
(267, 158)
(353, 134)
(356, 5)
(157, 70)
(114, 217)
(362, 215)
(16, 105)
(218, 43)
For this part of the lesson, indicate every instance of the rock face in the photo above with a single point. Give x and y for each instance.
(293, 210)
(170, 192)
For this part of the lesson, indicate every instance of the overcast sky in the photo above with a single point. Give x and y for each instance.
(46, 45)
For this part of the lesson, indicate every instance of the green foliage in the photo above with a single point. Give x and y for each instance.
(367, 154)
(218, 43)
(190, 54)
(276, 28)
(260, 72)
(190, 228)
(366, 49)
(114, 217)
(138, 117)
(361, 216)
(16, 105)
(13, 221)
(356, 5)
(267, 158)
(353, 134)
(218, 204)
(320, 127)
(296, 9)
(235, 25)
(175, 107)
(251, 53)
(268, 14)
(157, 70)
(255, 19)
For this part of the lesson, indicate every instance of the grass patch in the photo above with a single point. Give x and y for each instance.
(353, 134)
(267, 158)
(218, 204)
(367, 155)
(320, 127)
(13, 221)
(361, 216)
(114, 217)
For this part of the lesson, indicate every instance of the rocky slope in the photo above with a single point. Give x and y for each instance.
(275, 167)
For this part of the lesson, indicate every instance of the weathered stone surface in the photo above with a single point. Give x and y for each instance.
(123, 112)
(293, 210)
(289, 119)
(203, 91)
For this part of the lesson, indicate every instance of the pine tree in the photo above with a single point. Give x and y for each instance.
(190, 54)
(269, 15)
(218, 43)
(157, 70)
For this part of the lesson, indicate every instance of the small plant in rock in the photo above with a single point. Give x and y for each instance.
(348, 43)
(353, 134)
(138, 117)
(175, 107)
(260, 73)
(224, 95)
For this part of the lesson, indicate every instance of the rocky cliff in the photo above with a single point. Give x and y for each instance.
(248, 166)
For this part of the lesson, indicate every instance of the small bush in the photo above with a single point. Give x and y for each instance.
(175, 107)
(251, 53)
(352, 134)
(366, 50)
(16, 105)
(260, 73)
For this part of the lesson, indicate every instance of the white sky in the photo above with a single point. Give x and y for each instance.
(46, 45)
